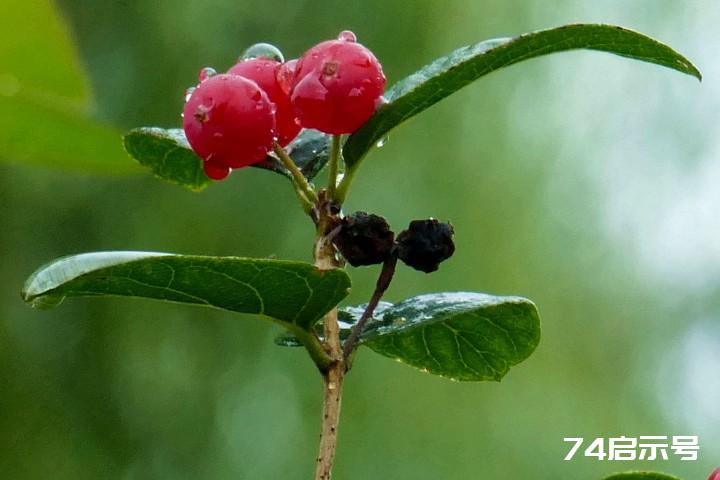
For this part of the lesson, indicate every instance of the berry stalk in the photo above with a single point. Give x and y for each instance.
(299, 179)
(334, 166)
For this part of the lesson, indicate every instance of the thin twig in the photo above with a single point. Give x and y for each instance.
(334, 166)
(300, 181)
(326, 259)
(344, 187)
(383, 282)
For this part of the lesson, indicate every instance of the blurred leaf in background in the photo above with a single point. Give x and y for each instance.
(45, 99)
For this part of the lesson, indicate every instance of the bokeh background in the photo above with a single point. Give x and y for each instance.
(583, 181)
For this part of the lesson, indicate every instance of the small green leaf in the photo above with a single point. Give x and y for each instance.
(463, 336)
(168, 154)
(295, 294)
(448, 74)
(641, 476)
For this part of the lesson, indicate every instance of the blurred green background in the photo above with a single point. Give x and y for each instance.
(583, 181)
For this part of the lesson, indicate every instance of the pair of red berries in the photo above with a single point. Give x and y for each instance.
(232, 120)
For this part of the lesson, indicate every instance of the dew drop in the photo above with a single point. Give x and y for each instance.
(347, 36)
(206, 73)
(263, 50)
(381, 143)
(188, 93)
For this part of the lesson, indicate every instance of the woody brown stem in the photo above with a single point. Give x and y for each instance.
(326, 259)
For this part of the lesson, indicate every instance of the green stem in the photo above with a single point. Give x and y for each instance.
(342, 189)
(334, 166)
(315, 348)
(300, 181)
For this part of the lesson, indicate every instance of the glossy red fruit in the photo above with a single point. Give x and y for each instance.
(229, 121)
(338, 85)
(715, 475)
(264, 72)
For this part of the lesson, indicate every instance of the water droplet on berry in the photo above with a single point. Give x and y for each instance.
(206, 73)
(263, 50)
(347, 36)
(215, 170)
(381, 143)
(188, 93)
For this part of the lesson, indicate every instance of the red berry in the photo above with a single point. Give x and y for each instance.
(264, 72)
(715, 475)
(338, 84)
(229, 121)
(286, 75)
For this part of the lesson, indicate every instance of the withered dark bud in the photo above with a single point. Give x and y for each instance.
(364, 239)
(426, 244)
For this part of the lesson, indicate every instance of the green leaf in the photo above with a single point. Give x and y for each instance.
(45, 100)
(463, 336)
(168, 154)
(448, 74)
(295, 294)
(641, 476)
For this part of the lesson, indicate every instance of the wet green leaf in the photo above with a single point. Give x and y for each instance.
(448, 74)
(461, 335)
(294, 294)
(641, 476)
(168, 154)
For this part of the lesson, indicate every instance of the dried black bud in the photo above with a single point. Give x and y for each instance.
(425, 244)
(364, 239)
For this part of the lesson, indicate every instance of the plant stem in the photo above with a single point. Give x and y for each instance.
(342, 189)
(334, 166)
(300, 181)
(314, 347)
(326, 259)
(332, 399)
(383, 282)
